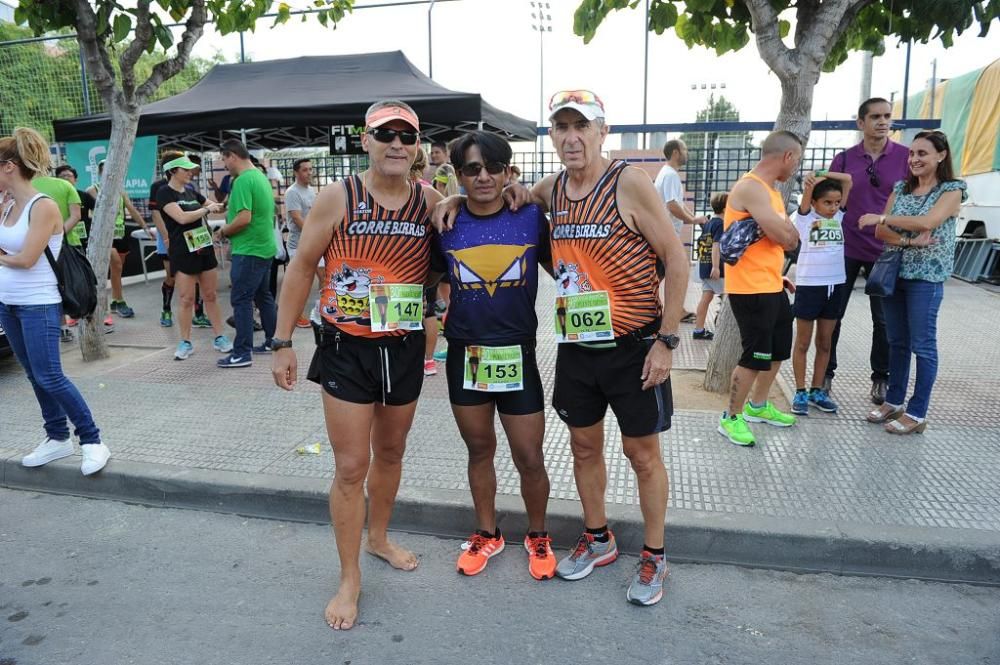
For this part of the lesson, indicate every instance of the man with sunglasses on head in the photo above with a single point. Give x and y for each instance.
(491, 257)
(875, 165)
(373, 232)
(610, 235)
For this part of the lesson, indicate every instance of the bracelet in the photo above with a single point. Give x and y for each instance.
(881, 220)
(906, 242)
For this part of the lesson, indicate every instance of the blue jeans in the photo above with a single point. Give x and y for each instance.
(911, 325)
(249, 276)
(33, 333)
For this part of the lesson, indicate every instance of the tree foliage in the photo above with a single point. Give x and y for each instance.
(726, 25)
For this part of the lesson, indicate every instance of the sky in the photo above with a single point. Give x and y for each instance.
(489, 47)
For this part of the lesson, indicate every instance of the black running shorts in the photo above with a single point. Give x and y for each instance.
(530, 399)
(588, 380)
(765, 322)
(388, 370)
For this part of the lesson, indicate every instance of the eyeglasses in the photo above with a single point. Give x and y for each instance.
(578, 96)
(406, 136)
(873, 178)
(472, 169)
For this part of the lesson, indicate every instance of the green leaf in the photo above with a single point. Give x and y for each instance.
(121, 27)
(784, 27)
(164, 36)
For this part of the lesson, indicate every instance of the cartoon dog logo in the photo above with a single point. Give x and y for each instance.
(568, 280)
(351, 286)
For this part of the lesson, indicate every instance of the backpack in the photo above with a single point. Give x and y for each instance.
(76, 278)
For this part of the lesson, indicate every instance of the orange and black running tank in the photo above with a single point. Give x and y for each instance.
(373, 245)
(593, 250)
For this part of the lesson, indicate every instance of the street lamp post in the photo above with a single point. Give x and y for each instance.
(541, 21)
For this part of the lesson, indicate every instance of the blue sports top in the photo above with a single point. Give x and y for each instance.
(492, 265)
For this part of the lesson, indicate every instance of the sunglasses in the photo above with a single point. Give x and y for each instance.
(472, 169)
(406, 136)
(873, 178)
(578, 96)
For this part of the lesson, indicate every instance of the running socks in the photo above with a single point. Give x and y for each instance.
(600, 534)
(538, 534)
(758, 406)
(168, 295)
(655, 551)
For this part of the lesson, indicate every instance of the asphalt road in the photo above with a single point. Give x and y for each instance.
(93, 582)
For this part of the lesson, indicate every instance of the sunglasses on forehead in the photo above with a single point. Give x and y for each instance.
(472, 169)
(406, 136)
(578, 96)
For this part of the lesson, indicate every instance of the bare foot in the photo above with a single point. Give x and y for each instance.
(342, 610)
(393, 554)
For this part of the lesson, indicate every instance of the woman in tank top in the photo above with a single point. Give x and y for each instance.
(30, 304)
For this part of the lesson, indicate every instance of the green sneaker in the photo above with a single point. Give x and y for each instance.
(767, 414)
(736, 430)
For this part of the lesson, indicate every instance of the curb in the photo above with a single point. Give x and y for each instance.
(943, 555)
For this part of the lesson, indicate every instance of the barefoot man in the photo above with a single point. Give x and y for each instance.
(373, 230)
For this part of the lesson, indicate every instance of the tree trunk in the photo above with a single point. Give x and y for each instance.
(124, 123)
(725, 351)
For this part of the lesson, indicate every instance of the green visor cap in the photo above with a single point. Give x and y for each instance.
(180, 163)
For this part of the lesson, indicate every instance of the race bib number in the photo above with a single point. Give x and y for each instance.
(197, 238)
(492, 369)
(396, 307)
(80, 230)
(583, 317)
(826, 233)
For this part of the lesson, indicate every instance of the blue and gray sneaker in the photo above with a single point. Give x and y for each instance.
(800, 403)
(233, 360)
(647, 583)
(166, 319)
(222, 344)
(201, 321)
(587, 554)
(821, 400)
(123, 310)
(184, 350)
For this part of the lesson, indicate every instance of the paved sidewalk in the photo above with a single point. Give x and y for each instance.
(851, 496)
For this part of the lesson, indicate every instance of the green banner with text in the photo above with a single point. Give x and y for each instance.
(84, 156)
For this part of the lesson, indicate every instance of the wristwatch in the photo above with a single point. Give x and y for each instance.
(280, 343)
(672, 341)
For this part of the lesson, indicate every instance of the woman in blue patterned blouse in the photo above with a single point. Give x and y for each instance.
(920, 222)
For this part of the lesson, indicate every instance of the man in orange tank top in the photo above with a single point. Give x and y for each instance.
(609, 227)
(373, 230)
(755, 289)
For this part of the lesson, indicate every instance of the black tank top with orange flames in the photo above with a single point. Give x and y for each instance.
(593, 250)
(373, 245)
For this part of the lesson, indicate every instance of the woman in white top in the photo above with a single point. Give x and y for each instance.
(30, 304)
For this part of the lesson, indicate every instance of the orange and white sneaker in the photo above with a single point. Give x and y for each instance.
(541, 560)
(482, 546)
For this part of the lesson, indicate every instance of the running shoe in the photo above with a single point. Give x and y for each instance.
(736, 430)
(263, 348)
(231, 322)
(201, 321)
(482, 547)
(184, 350)
(703, 334)
(65, 335)
(113, 306)
(767, 414)
(800, 403)
(541, 559)
(302, 322)
(441, 355)
(647, 583)
(166, 319)
(95, 457)
(821, 400)
(430, 367)
(222, 344)
(72, 323)
(688, 317)
(109, 324)
(124, 310)
(587, 554)
(233, 360)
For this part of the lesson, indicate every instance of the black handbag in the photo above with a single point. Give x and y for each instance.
(882, 278)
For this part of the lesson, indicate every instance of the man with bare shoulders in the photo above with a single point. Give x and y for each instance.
(609, 228)
(373, 231)
(756, 289)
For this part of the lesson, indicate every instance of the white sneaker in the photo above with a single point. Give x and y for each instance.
(95, 456)
(47, 451)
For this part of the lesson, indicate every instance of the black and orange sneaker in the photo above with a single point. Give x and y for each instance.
(482, 546)
(541, 560)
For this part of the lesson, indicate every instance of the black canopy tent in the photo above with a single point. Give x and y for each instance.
(292, 103)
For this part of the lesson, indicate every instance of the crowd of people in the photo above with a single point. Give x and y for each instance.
(387, 244)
